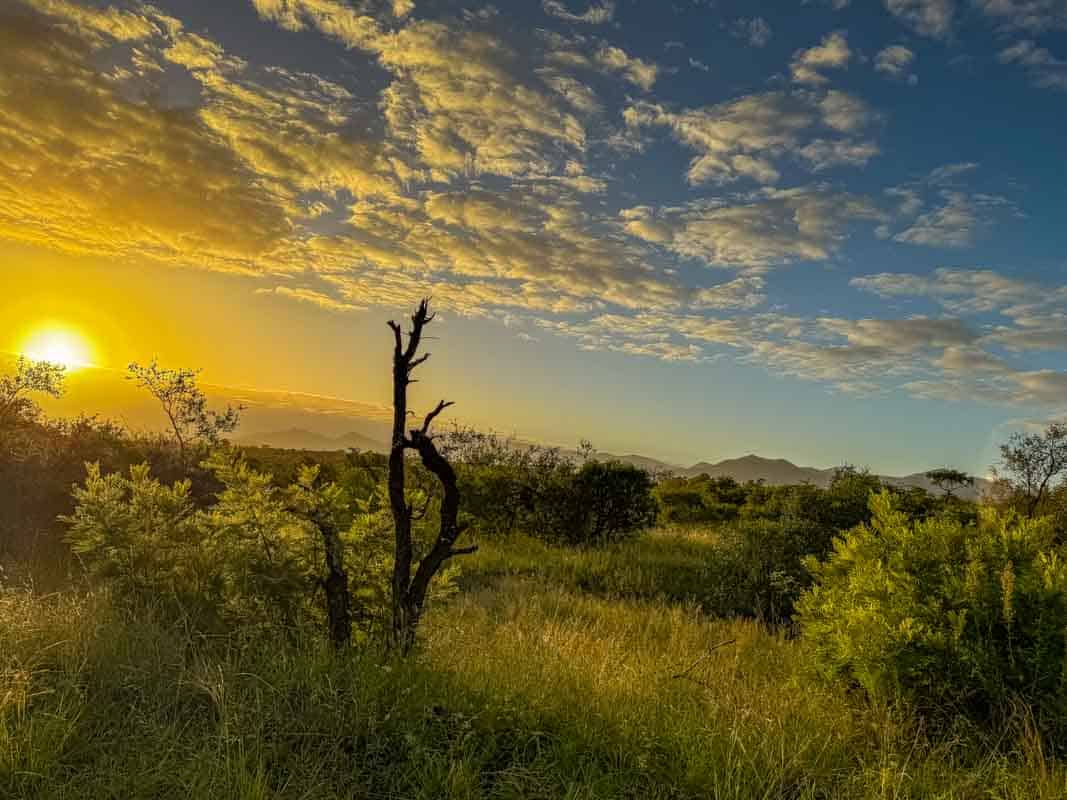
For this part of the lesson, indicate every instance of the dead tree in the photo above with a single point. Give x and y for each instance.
(411, 582)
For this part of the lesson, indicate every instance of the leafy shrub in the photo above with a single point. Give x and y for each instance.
(758, 566)
(949, 617)
(252, 556)
(702, 499)
(507, 487)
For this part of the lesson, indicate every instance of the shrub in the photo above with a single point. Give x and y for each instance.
(252, 556)
(598, 503)
(758, 566)
(948, 617)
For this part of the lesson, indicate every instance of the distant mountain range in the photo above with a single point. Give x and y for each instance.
(779, 472)
(774, 471)
(300, 439)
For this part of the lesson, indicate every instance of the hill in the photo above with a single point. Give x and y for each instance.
(779, 472)
(301, 439)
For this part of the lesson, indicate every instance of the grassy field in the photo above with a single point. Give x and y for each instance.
(552, 674)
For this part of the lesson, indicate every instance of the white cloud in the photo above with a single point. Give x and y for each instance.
(773, 227)
(832, 53)
(1035, 16)
(638, 72)
(756, 31)
(596, 14)
(955, 223)
(931, 18)
(895, 61)
(743, 138)
(1046, 70)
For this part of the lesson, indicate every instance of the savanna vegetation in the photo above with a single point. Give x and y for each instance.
(474, 617)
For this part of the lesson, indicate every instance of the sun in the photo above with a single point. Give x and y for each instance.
(59, 345)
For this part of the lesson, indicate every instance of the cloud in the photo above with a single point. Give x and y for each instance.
(85, 168)
(931, 18)
(756, 31)
(1037, 313)
(319, 299)
(638, 72)
(1035, 16)
(1046, 71)
(772, 228)
(743, 138)
(832, 53)
(938, 210)
(894, 61)
(956, 223)
(596, 14)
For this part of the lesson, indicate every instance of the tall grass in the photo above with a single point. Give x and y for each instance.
(529, 684)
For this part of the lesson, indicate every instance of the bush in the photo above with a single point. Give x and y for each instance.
(758, 566)
(250, 557)
(598, 503)
(702, 499)
(948, 617)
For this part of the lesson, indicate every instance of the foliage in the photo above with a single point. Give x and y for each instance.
(954, 619)
(30, 377)
(508, 486)
(948, 480)
(701, 499)
(1032, 462)
(190, 420)
(254, 556)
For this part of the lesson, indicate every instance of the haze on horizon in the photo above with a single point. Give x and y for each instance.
(823, 231)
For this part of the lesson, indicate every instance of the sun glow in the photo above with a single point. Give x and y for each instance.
(59, 345)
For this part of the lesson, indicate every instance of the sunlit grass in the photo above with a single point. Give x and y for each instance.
(525, 686)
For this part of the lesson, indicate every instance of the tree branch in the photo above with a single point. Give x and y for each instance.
(433, 415)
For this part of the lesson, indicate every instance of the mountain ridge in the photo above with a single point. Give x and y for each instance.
(750, 467)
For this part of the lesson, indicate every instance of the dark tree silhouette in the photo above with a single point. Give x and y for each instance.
(410, 582)
(29, 377)
(949, 480)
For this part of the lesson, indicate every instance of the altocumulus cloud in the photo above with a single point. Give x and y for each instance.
(481, 171)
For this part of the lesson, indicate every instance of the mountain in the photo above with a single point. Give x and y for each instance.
(775, 471)
(779, 472)
(301, 439)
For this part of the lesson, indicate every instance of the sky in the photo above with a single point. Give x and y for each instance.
(829, 231)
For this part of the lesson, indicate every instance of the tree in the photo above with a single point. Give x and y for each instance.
(949, 480)
(410, 582)
(323, 505)
(1033, 461)
(29, 377)
(185, 405)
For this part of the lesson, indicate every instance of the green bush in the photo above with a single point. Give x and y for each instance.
(600, 502)
(950, 618)
(252, 556)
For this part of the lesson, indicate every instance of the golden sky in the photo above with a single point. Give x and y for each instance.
(692, 230)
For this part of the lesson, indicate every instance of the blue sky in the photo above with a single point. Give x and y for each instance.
(828, 231)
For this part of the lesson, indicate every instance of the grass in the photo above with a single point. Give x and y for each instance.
(551, 675)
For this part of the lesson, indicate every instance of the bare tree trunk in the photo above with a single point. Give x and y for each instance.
(409, 592)
(335, 585)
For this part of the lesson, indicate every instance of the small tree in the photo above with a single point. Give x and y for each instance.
(185, 405)
(29, 377)
(411, 582)
(948, 480)
(1033, 461)
(324, 505)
